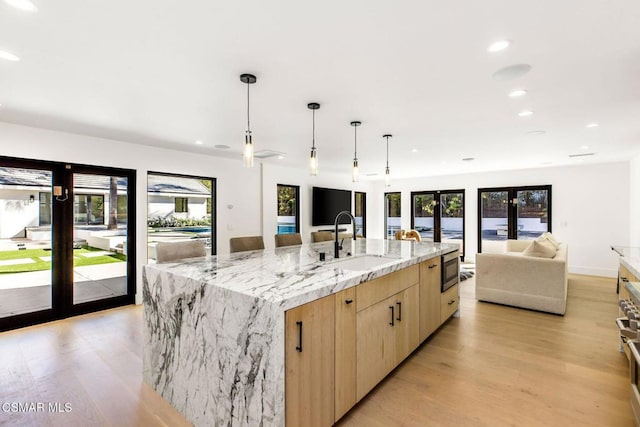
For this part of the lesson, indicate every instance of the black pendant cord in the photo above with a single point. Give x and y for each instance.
(387, 152)
(313, 135)
(248, 123)
(355, 143)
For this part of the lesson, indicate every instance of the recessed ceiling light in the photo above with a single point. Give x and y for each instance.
(198, 142)
(535, 132)
(8, 56)
(584, 147)
(516, 93)
(22, 5)
(511, 72)
(468, 159)
(221, 147)
(498, 46)
(593, 125)
(415, 150)
(280, 157)
(525, 113)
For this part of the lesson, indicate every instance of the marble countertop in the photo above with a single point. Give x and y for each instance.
(630, 258)
(292, 276)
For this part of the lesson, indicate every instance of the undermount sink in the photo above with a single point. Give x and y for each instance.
(363, 262)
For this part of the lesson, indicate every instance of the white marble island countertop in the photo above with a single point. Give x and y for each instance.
(214, 326)
(292, 276)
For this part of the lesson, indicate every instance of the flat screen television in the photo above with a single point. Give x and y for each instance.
(327, 202)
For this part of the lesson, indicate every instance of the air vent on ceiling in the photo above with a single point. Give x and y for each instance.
(265, 154)
(582, 154)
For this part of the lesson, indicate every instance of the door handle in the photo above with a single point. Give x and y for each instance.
(392, 323)
(348, 301)
(399, 318)
(433, 265)
(299, 347)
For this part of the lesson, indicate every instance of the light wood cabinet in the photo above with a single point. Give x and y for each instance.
(309, 363)
(430, 282)
(345, 357)
(376, 290)
(449, 303)
(386, 333)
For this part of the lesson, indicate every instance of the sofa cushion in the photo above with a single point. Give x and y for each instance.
(551, 239)
(540, 249)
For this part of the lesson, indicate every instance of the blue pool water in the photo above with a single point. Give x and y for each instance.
(286, 228)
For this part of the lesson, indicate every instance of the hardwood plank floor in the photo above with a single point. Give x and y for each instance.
(493, 366)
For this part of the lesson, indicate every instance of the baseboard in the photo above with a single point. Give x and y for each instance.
(591, 271)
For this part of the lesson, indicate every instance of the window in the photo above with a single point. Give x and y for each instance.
(522, 213)
(439, 216)
(181, 205)
(45, 209)
(88, 209)
(288, 209)
(361, 214)
(392, 216)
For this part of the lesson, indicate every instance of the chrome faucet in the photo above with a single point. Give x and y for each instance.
(336, 245)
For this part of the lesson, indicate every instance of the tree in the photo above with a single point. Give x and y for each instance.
(113, 203)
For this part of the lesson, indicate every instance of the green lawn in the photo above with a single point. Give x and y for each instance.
(39, 265)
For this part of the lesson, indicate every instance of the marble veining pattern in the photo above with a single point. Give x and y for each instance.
(214, 326)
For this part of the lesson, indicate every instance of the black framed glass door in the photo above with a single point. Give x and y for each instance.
(58, 256)
(439, 216)
(522, 213)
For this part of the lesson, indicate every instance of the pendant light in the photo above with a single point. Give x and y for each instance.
(247, 153)
(387, 175)
(313, 158)
(354, 173)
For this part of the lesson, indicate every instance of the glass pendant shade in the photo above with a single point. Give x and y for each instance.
(247, 154)
(387, 177)
(313, 161)
(355, 174)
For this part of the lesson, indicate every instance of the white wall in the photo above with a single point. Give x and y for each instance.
(634, 197)
(238, 188)
(17, 212)
(590, 207)
(272, 175)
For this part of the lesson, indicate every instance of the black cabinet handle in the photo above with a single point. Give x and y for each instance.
(348, 301)
(433, 265)
(624, 279)
(451, 302)
(399, 318)
(392, 316)
(299, 347)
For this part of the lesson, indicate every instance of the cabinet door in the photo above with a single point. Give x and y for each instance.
(429, 297)
(309, 363)
(376, 344)
(407, 322)
(345, 376)
(449, 303)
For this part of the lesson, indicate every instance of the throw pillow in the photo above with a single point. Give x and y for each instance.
(540, 250)
(551, 239)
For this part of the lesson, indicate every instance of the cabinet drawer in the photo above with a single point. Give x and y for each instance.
(449, 302)
(376, 290)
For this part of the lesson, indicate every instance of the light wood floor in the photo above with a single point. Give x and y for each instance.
(494, 366)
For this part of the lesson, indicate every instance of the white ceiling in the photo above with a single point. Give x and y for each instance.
(166, 73)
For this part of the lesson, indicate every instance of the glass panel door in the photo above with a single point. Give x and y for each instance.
(361, 213)
(392, 216)
(494, 221)
(25, 241)
(100, 236)
(424, 205)
(532, 213)
(288, 209)
(452, 219)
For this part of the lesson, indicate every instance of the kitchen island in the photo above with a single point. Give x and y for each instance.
(214, 327)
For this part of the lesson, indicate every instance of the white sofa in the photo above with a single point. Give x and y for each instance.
(523, 281)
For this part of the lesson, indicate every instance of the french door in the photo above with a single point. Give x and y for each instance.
(67, 240)
(522, 213)
(439, 216)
